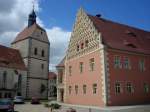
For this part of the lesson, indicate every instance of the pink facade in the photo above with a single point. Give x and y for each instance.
(87, 77)
(132, 75)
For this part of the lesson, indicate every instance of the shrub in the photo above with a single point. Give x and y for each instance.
(55, 106)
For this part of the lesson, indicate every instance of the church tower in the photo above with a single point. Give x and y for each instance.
(33, 45)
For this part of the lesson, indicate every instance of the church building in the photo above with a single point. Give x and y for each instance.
(106, 64)
(33, 45)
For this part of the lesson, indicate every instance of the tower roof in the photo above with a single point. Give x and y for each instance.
(123, 37)
(32, 18)
(29, 32)
(11, 58)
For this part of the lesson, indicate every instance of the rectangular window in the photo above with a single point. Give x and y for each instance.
(117, 62)
(84, 89)
(81, 67)
(146, 88)
(43, 53)
(126, 63)
(4, 79)
(70, 70)
(92, 64)
(142, 65)
(70, 88)
(76, 89)
(94, 88)
(118, 88)
(130, 88)
(42, 66)
(35, 51)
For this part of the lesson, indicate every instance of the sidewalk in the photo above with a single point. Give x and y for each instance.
(79, 108)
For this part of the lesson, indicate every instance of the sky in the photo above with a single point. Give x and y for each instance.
(58, 17)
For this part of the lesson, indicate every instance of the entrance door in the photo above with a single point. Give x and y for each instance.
(62, 96)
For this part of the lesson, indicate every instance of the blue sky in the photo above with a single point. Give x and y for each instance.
(62, 12)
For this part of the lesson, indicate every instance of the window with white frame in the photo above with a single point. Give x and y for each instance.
(92, 64)
(94, 88)
(146, 88)
(126, 63)
(81, 67)
(117, 87)
(117, 62)
(142, 65)
(129, 88)
(84, 89)
(70, 89)
(70, 70)
(76, 89)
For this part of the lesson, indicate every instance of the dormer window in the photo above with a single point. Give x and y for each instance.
(131, 33)
(131, 45)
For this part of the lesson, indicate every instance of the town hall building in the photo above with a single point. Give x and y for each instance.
(106, 64)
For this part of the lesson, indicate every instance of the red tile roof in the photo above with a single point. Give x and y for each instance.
(123, 37)
(27, 32)
(11, 58)
(52, 75)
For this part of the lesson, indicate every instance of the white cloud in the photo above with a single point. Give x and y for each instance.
(7, 37)
(58, 43)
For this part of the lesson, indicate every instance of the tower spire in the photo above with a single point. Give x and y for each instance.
(32, 17)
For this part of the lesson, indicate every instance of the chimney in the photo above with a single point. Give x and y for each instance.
(98, 15)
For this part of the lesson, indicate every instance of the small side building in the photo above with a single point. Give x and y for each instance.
(12, 73)
(60, 80)
(52, 88)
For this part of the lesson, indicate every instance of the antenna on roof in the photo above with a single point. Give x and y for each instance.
(33, 4)
(98, 15)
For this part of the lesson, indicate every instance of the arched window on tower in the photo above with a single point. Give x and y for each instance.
(43, 53)
(35, 51)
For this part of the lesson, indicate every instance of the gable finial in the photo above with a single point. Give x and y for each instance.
(33, 4)
(32, 16)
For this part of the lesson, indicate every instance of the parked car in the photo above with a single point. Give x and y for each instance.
(18, 100)
(6, 105)
(35, 100)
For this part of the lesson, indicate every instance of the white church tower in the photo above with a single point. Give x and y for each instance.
(33, 45)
